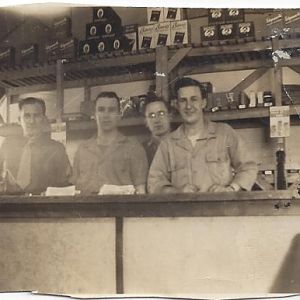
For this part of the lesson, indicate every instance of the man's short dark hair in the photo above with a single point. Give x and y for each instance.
(152, 97)
(109, 94)
(33, 100)
(187, 81)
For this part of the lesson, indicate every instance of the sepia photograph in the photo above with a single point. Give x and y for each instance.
(149, 150)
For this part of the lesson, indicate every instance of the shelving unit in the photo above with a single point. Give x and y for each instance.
(162, 65)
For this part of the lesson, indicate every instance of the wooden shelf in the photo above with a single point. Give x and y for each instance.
(228, 115)
(122, 67)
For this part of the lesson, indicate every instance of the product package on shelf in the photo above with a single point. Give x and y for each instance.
(87, 47)
(292, 22)
(209, 33)
(223, 101)
(163, 34)
(147, 36)
(7, 57)
(105, 15)
(216, 16)
(29, 54)
(245, 30)
(68, 48)
(227, 31)
(131, 33)
(61, 28)
(52, 52)
(98, 30)
(274, 24)
(180, 32)
(234, 15)
(173, 14)
(155, 15)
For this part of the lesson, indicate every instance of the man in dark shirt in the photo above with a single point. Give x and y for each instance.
(158, 122)
(33, 162)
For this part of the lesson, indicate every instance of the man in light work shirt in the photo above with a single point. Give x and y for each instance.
(158, 122)
(200, 156)
(110, 158)
(33, 162)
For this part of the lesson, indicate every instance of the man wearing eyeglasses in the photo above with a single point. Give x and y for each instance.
(158, 122)
(200, 156)
(110, 159)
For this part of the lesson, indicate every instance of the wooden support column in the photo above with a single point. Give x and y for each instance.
(8, 102)
(162, 85)
(87, 93)
(119, 256)
(277, 73)
(281, 142)
(59, 91)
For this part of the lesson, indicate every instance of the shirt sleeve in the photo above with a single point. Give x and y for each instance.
(244, 165)
(138, 164)
(159, 176)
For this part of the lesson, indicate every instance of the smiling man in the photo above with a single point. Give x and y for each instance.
(33, 162)
(200, 156)
(158, 122)
(110, 158)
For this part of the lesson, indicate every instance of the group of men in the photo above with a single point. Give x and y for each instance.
(199, 156)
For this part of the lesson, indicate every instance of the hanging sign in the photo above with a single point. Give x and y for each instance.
(279, 121)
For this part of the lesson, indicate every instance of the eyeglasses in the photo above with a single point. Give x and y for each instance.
(159, 114)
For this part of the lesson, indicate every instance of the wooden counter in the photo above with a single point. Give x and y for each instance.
(49, 243)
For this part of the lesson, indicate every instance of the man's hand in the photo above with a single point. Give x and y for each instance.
(189, 188)
(219, 188)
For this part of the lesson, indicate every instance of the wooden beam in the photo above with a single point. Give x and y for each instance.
(8, 102)
(225, 67)
(82, 82)
(246, 82)
(87, 93)
(28, 72)
(122, 61)
(261, 203)
(59, 91)
(295, 69)
(119, 256)
(246, 47)
(277, 74)
(162, 87)
(177, 57)
(289, 62)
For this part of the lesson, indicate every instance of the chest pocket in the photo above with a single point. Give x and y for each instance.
(218, 164)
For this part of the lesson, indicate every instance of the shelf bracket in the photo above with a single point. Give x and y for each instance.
(60, 90)
(245, 83)
(177, 58)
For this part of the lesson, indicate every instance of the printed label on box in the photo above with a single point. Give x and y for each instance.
(155, 14)
(173, 14)
(279, 121)
(179, 32)
(163, 34)
(147, 36)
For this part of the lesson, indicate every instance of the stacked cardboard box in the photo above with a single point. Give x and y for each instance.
(61, 45)
(165, 27)
(225, 25)
(104, 34)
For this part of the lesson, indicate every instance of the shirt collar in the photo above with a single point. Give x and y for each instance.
(208, 132)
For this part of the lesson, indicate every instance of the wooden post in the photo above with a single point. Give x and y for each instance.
(60, 91)
(87, 93)
(119, 256)
(281, 142)
(8, 102)
(162, 87)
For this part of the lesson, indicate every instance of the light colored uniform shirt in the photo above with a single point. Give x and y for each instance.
(123, 162)
(219, 157)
